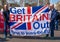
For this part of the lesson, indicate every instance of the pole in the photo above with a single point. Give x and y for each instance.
(38, 3)
(23, 3)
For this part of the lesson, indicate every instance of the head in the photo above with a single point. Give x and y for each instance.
(51, 6)
(5, 7)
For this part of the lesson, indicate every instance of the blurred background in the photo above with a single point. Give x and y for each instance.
(22, 3)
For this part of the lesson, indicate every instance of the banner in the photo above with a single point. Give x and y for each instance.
(29, 21)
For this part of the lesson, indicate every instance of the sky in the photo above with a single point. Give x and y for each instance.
(54, 1)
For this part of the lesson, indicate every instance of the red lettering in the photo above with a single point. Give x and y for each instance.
(19, 18)
(29, 17)
(35, 18)
(24, 18)
(12, 17)
(44, 16)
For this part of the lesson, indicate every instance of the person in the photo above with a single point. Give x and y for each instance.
(56, 21)
(6, 14)
(53, 13)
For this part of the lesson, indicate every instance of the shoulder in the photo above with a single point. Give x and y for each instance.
(4, 11)
(55, 10)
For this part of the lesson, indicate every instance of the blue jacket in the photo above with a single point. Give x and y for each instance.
(54, 14)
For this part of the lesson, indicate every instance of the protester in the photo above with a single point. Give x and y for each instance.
(56, 21)
(6, 14)
(53, 13)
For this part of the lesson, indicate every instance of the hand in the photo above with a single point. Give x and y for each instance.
(49, 20)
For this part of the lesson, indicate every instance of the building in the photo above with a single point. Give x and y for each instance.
(58, 6)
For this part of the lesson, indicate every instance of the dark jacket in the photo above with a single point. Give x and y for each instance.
(53, 17)
(54, 14)
(6, 15)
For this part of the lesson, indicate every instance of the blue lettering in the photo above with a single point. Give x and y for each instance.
(18, 33)
(23, 11)
(36, 25)
(22, 33)
(13, 10)
(17, 11)
(39, 32)
(43, 25)
(48, 25)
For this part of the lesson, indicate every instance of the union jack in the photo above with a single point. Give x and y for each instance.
(27, 25)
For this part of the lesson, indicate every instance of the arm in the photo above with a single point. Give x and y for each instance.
(4, 15)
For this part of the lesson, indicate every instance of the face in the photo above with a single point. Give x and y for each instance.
(5, 7)
(52, 6)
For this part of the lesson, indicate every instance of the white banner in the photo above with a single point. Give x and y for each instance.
(29, 21)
